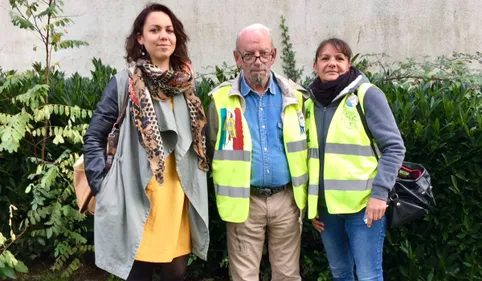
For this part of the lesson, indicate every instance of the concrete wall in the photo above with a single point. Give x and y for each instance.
(400, 28)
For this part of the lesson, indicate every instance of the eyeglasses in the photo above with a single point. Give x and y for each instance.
(263, 57)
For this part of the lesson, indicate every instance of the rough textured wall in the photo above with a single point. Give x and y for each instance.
(399, 28)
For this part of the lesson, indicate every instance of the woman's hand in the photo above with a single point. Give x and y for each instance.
(375, 210)
(318, 225)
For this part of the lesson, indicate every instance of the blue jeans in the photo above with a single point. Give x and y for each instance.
(349, 242)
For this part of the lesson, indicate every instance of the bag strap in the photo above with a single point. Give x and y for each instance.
(122, 112)
(365, 126)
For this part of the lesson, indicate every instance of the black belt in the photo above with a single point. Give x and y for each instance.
(267, 191)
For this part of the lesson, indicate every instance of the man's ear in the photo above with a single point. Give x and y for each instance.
(275, 52)
(237, 58)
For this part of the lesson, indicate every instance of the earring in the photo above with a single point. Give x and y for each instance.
(142, 50)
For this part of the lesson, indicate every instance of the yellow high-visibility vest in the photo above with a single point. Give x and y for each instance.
(349, 163)
(232, 155)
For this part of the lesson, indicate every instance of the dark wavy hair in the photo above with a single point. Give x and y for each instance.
(179, 59)
(340, 45)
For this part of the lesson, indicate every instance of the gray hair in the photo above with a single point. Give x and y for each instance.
(255, 26)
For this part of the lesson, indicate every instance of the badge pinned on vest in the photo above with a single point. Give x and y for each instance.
(231, 130)
(301, 121)
(230, 125)
(352, 101)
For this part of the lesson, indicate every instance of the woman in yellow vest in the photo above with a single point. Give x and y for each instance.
(348, 185)
(151, 209)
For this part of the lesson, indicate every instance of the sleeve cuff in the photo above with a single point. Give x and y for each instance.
(379, 193)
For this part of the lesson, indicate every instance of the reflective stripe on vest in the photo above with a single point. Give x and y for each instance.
(349, 163)
(232, 166)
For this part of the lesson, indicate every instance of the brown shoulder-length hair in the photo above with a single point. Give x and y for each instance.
(179, 59)
(340, 45)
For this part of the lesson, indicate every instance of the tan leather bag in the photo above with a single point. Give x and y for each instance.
(85, 198)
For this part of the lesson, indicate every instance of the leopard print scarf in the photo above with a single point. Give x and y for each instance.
(148, 82)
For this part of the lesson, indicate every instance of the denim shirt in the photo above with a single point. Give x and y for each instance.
(269, 166)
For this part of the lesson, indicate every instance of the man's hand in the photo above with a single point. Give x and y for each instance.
(318, 225)
(375, 210)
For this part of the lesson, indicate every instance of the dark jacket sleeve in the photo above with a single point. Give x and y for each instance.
(385, 131)
(95, 139)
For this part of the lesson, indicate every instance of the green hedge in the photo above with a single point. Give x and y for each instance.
(440, 120)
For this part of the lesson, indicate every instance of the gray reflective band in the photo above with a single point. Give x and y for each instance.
(237, 192)
(350, 149)
(297, 181)
(233, 155)
(313, 189)
(350, 185)
(313, 153)
(296, 146)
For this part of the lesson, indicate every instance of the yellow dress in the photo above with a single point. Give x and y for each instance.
(166, 232)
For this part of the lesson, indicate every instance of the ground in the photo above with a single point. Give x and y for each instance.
(40, 271)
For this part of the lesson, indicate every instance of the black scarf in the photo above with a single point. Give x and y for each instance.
(326, 92)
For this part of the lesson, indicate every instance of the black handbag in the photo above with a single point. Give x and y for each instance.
(411, 197)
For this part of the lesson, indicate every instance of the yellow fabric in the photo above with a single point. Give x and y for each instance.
(345, 169)
(313, 160)
(233, 192)
(166, 233)
(358, 170)
(294, 135)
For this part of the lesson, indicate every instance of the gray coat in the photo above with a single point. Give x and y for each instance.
(122, 205)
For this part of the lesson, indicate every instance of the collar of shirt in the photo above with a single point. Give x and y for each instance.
(245, 89)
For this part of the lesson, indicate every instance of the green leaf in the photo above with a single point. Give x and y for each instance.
(49, 178)
(13, 131)
(430, 275)
(8, 271)
(37, 217)
(21, 267)
(21, 22)
(34, 96)
(58, 139)
(454, 183)
(56, 38)
(69, 44)
(40, 168)
(2, 239)
(41, 241)
(49, 233)
(29, 188)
